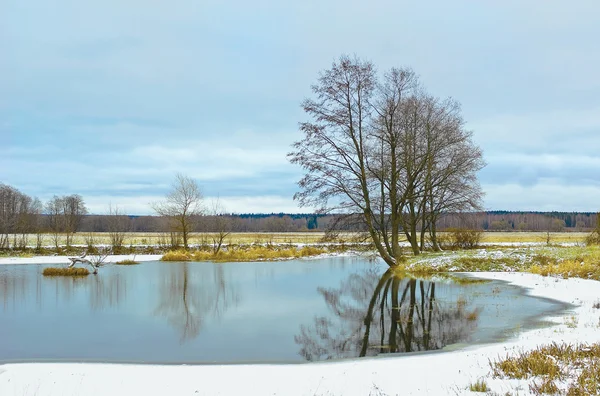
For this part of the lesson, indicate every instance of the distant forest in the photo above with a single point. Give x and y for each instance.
(283, 222)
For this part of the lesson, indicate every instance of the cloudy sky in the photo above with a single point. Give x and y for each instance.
(111, 98)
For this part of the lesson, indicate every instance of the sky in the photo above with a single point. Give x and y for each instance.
(110, 99)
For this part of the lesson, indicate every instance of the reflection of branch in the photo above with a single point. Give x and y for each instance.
(187, 305)
(412, 321)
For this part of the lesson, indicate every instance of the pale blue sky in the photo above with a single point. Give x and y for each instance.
(110, 98)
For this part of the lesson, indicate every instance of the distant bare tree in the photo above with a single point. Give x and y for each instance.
(64, 216)
(73, 211)
(53, 211)
(16, 216)
(118, 225)
(182, 206)
(221, 225)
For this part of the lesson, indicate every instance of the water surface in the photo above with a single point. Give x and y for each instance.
(290, 311)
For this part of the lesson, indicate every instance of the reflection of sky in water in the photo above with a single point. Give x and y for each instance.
(204, 312)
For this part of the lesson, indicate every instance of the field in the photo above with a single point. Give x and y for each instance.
(157, 239)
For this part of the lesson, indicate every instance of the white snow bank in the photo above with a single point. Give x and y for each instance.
(425, 374)
(64, 259)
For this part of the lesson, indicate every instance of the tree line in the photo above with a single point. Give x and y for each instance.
(24, 219)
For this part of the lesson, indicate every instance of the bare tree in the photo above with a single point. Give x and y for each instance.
(387, 154)
(182, 206)
(55, 220)
(17, 217)
(95, 261)
(73, 211)
(221, 225)
(64, 216)
(118, 225)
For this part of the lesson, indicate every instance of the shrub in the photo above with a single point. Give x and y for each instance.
(461, 238)
(127, 262)
(593, 238)
(176, 255)
(73, 271)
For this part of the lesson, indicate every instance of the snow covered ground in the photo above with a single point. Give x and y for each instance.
(65, 260)
(447, 373)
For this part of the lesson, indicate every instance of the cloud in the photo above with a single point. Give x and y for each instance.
(111, 98)
(140, 204)
(545, 196)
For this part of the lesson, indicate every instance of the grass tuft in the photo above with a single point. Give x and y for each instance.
(176, 255)
(73, 271)
(479, 386)
(579, 365)
(127, 262)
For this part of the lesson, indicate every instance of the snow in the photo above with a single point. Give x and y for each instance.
(65, 259)
(417, 374)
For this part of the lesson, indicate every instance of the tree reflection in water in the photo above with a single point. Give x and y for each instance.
(105, 291)
(375, 314)
(187, 298)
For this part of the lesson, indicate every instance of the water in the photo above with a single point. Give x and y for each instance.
(289, 311)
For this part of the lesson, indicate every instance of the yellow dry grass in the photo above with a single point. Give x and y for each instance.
(244, 253)
(578, 365)
(73, 271)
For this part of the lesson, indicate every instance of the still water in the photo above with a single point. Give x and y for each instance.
(291, 311)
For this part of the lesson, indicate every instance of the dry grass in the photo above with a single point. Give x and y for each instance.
(469, 264)
(127, 262)
(73, 271)
(245, 253)
(555, 237)
(577, 365)
(479, 386)
(569, 263)
(176, 255)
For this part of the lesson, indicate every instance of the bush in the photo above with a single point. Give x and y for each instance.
(176, 255)
(593, 238)
(73, 271)
(127, 262)
(461, 238)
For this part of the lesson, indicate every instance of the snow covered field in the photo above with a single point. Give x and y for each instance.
(65, 260)
(425, 374)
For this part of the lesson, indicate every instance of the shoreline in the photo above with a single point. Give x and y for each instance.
(452, 372)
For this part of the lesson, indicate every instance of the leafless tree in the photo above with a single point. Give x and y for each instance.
(386, 153)
(73, 211)
(64, 216)
(17, 217)
(53, 209)
(182, 206)
(118, 225)
(95, 260)
(221, 225)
